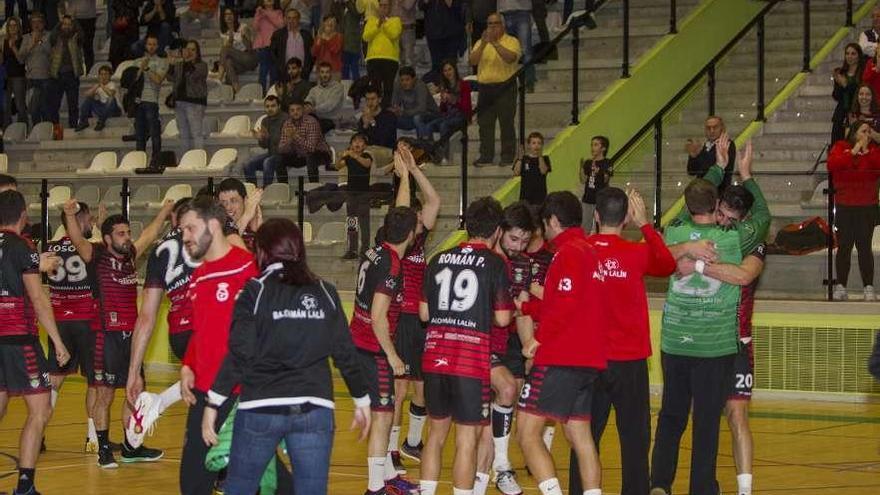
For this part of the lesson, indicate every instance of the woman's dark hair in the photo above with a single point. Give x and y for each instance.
(853, 128)
(235, 23)
(844, 68)
(450, 85)
(857, 109)
(198, 49)
(279, 240)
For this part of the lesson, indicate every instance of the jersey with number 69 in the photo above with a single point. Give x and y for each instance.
(463, 288)
(70, 286)
(381, 271)
(170, 269)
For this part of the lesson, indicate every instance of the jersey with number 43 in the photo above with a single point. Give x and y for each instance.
(170, 269)
(70, 286)
(463, 288)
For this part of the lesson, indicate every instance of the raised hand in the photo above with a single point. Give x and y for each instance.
(637, 211)
(722, 150)
(745, 162)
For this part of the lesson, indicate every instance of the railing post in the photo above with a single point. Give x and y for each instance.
(521, 107)
(301, 200)
(575, 73)
(673, 18)
(125, 195)
(710, 79)
(829, 267)
(44, 212)
(849, 13)
(658, 171)
(760, 105)
(625, 69)
(806, 65)
(463, 192)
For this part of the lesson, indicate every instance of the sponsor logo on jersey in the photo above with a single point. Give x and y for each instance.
(441, 362)
(222, 291)
(184, 321)
(687, 339)
(613, 269)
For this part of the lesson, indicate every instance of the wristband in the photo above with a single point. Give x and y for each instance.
(699, 266)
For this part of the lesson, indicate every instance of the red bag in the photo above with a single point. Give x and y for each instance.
(803, 238)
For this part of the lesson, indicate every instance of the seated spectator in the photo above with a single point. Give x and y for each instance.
(35, 52)
(352, 33)
(869, 38)
(294, 86)
(358, 163)
(65, 69)
(85, 13)
(595, 175)
(189, 75)
(382, 35)
(16, 80)
(160, 17)
(379, 125)
(302, 143)
(325, 99)
(445, 28)
(865, 107)
(267, 19)
(125, 30)
(846, 82)
(701, 157)
(268, 136)
(411, 101)
(455, 105)
(237, 54)
(291, 41)
(533, 168)
(100, 101)
(328, 46)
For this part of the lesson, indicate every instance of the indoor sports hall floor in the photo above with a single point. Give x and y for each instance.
(801, 447)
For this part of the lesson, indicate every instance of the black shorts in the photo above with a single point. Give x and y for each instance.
(465, 399)
(380, 380)
(409, 342)
(23, 369)
(743, 375)
(179, 342)
(561, 393)
(77, 338)
(514, 359)
(112, 356)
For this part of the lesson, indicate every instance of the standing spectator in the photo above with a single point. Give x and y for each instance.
(146, 120)
(100, 100)
(455, 107)
(406, 10)
(533, 168)
(49, 9)
(22, 10)
(539, 12)
(864, 107)
(595, 175)
(302, 143)
(411, 101)
(85, 13)
(846, 82)
(124, 29)
(479, 13)
(16, 80)
(378, 124)
(352, 32)
(267, 20)
(159, 17)
(35, 52)
(65, 69)
(518, 22)
(292, 42)
(854, 165)
(358, 163)
(304, 7)
(294, 86)
(701, 157)
(496, 56)
(444, 30)
(328, 46)
(189, 74)
(382, 35)
(326, 98)
(869, 38)
(268, 136)
(237, 54)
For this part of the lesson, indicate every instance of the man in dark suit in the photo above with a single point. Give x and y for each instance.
(292, 41)
(701, 157)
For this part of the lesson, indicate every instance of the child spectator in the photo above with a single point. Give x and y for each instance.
(533, 167)
(595, 175)
(358, 163)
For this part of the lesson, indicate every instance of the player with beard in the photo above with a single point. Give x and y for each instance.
(112, 264)
(243, 211)
(214, 285)
(70, 291)
(409, 338)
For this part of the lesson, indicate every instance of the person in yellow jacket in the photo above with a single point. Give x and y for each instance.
(382, 35)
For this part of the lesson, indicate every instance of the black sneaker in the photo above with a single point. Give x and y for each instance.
(81, 126)
(141, 454)
(395, 460)
(410, 452)
(106, 459)
(32, 491)
(100, 126)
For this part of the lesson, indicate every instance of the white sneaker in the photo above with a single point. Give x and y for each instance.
(143, 417)
(839, 293)
(506, 483)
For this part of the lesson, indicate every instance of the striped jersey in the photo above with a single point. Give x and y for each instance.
(380, 272)
(18, 257)
(115, 289)
(170, 268)
(70, 286)
(413, 273)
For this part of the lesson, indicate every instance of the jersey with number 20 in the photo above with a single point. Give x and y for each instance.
(170, 269)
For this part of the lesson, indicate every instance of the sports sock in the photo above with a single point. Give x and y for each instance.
(125, 444)
(25, 479)
(417, 416)
(375, 473)
(550, 487)
(394, 439)
(53, 397)
(501, 419)
(461, 491)
(481, 484)
(428, 487)
(549, 432)
(389, 470)
(168, 397)
(103, 438)
(744, 484)
(92, 433)
(593, 491)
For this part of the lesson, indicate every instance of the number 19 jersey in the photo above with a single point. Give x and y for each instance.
(170, 269)
(463, 288)
(70, 286)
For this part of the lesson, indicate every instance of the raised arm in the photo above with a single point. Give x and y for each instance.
(151, 232)
(430, 198)
(83, 247)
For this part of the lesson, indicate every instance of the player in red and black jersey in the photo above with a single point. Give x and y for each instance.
(466, 292)
(23, 369)
(112, 266)
(377, 308)
(243, 211)
(409, 339)
(48, 261)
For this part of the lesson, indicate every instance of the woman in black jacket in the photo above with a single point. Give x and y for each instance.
(846, 78)
(286, 324)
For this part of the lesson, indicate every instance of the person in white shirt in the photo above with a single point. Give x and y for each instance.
(869, 38)
(100, 101)
(325, 99)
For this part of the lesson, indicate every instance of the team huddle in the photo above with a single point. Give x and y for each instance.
(530, 320)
